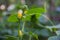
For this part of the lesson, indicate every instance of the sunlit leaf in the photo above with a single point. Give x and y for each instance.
(13, 18)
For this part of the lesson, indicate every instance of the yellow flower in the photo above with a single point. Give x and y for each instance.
(25, 12)
(20, 13)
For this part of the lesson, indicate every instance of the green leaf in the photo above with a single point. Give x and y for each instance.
(36, 36)
(11, 38)
(13, 18)
(54, 38)
(58, 32)
(26, 18)
(36, 10)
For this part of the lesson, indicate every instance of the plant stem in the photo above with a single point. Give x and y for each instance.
(19, 29)
(22, 30)
(29, 37)
(23, 26)
(20, 37)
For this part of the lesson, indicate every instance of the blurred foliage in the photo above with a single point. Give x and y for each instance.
(35, 11)
(29, 24)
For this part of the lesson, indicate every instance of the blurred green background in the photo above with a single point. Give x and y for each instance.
(29, 20)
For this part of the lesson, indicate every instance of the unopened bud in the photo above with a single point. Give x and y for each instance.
(20, 13)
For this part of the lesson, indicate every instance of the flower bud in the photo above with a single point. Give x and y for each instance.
(20, 13)
(20, 33)
(25, 12)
